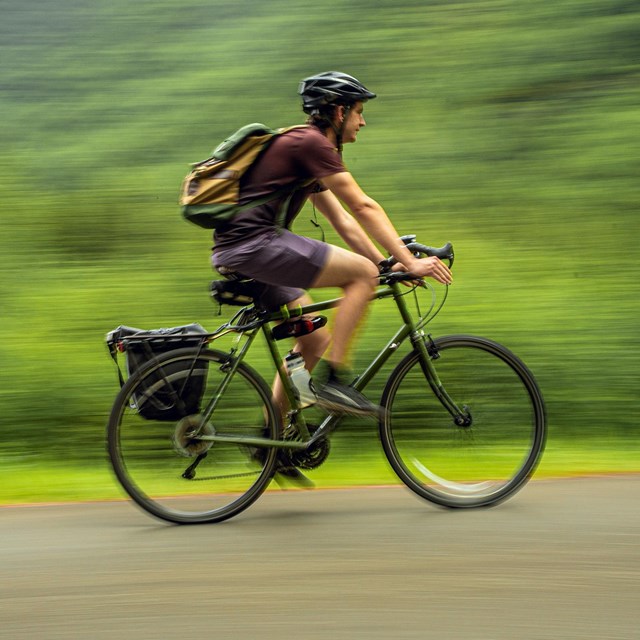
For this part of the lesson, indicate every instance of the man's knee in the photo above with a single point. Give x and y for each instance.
(368, 273)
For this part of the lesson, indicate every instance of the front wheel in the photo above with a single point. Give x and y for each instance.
(158, 437)
(486, 454)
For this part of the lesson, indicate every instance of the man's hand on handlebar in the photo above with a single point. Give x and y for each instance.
(431, 267)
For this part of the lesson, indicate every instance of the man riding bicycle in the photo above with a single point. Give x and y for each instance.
(288, 264)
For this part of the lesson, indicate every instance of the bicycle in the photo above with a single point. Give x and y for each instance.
(462, 424)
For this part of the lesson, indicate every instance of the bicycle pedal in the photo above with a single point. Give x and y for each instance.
(291, 475)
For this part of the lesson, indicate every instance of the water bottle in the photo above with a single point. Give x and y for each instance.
(301, 380)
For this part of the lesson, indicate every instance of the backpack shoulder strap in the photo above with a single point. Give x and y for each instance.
(254, 130)
(291, 128)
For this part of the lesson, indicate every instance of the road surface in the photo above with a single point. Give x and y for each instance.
(560, 560)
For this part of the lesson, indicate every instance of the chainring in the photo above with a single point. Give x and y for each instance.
(310, 458)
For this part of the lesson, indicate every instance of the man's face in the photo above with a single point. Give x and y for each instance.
(353, 122)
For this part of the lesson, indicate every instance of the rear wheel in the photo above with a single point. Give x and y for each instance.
(157, 437)
(492, 452)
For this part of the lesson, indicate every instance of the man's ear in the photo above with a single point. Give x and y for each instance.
(340, 113)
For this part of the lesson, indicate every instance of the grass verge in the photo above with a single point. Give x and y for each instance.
(33, 481)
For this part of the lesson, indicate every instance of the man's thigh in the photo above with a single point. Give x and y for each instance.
(343, 267)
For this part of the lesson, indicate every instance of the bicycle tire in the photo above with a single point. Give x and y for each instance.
(464, 466)
(151, 457)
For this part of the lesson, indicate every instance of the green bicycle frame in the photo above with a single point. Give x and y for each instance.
(407, 330)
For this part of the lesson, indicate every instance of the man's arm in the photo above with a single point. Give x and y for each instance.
(377, 224)
(345, 225)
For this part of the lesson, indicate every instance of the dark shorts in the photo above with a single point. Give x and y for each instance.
(285, 262)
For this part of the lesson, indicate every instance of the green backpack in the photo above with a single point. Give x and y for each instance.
(211, 190)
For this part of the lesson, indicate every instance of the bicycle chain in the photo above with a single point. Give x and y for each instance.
(297, 460)
(227, 477)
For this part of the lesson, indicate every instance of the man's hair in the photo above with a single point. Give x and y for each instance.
(323, 117)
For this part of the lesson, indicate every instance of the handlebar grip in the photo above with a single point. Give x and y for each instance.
(443, 253)
(408, 238)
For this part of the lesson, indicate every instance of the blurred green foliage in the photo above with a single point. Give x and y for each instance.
(510, 128)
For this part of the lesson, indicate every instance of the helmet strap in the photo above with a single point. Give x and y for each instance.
(340, 130)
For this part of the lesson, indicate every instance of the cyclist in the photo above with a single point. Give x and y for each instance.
(288, 264)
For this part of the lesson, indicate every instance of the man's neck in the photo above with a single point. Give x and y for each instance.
(330, 134)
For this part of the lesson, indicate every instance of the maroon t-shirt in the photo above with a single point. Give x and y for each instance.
(300, 154)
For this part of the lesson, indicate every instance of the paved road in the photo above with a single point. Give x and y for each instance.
(560, 560)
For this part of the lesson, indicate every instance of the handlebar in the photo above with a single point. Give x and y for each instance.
(444, 253)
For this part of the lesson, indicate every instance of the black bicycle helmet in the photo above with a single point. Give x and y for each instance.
(331, 87)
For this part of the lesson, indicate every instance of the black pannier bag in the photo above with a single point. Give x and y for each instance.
(177, 390)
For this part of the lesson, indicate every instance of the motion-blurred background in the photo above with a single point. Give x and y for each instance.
(510, 128)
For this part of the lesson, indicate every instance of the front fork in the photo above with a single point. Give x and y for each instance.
(428, 352)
